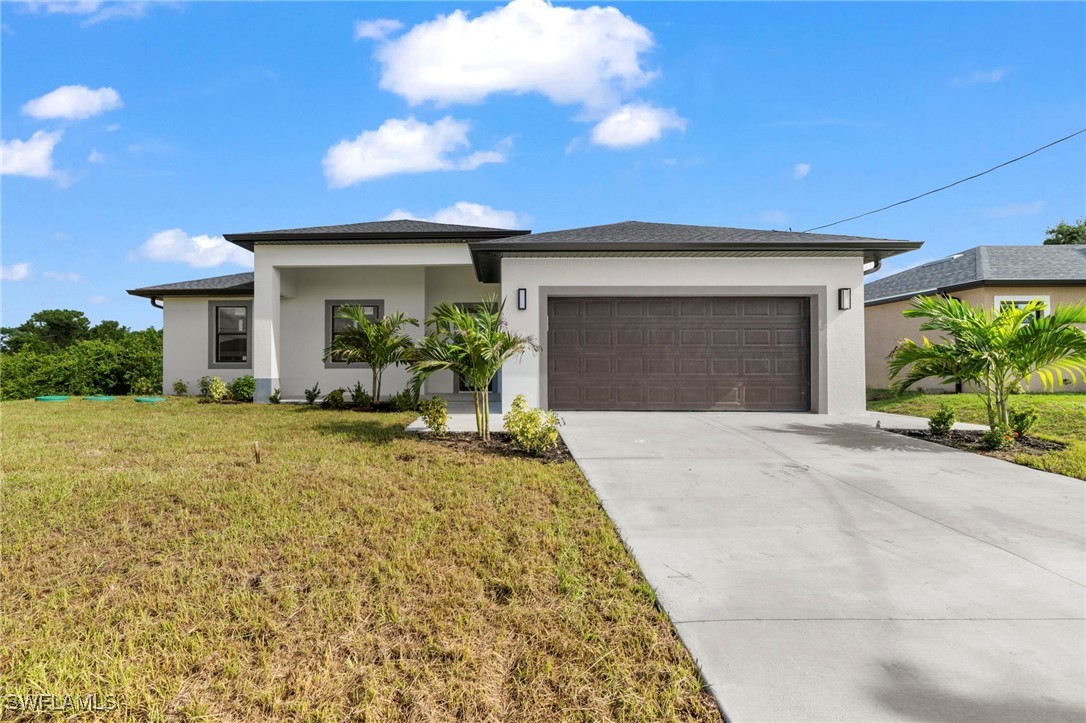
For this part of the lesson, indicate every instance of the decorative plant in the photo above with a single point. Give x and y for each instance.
(204, 384)
(532, 429)
(180, 388)
(334, 400)
(313, 394)
(143, 385)
(403, 401)
(999, 438)
(243, 388)
(217, 391)
(942, 421)
(360, 397)
(1023, 417)
(273, 398)
(380, 344)
(995, 352)
(473, 343)
(435, 414)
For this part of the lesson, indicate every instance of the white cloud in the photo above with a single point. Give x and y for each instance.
(97, 10)
(980, 76)
(32, 157)
(591, 56)
(73, 102)
(635, 124)
(800, 171)
(404, 146)
(174, 245)
(68, 276)
(773, 216)
(97, 299)
(113, 127)
(96, 156)
(467, 214)
(15, 272)
(1011, 210)
(375, 29)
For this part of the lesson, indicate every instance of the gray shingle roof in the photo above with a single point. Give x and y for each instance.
(378, 227)
(984, 265)
(395, 231)
(229, 285)
(634, 232)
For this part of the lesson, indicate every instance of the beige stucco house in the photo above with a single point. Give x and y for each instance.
(629, 315)
(987, 276)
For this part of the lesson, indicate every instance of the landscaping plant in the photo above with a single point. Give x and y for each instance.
(243, 388)
(334, 400)
(473, 343)
(180, 388)
(204, 383)
(380, 344)
(403, 401)
(273, 398)
(144, 386)
(435, 415)
(942, 421)
(994, 351)
(531, 428)
(1023, 418)
(360, 397)
(313, 394)
(999, 438)
(217, 391)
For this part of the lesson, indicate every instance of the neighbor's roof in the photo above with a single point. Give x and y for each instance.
(640, 236)
(229, 285)
(984, 265)
(397, 231)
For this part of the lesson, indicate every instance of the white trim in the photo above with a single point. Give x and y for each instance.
(1023, 299)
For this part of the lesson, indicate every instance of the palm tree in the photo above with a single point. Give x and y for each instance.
(473, 343)
(381, 343)
(995, 352)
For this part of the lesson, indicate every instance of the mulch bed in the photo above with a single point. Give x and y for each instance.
(970, 441)
(499, 444)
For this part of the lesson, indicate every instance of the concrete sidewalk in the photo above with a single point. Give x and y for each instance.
(821, 569)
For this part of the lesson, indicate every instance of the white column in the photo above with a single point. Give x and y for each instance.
(266, 328)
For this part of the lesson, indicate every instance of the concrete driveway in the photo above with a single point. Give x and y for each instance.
(821, 569)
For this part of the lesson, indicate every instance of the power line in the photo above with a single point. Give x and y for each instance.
(949, 185)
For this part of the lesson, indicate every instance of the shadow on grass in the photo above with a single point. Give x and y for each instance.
(855, 437)
(358, 426)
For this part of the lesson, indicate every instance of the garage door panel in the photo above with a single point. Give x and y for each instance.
(725, 353)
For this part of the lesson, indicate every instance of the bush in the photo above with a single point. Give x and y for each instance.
(144, 387)
(334, 400)
(205, 386)
(532, 429)
(180, 388)
(998, 438)
(243, 388)
(313, 394)
(942, 421)
(435, 414)
(360, 397)
(217, 391)
(273, 398)
(1023, 418)
(403, 402)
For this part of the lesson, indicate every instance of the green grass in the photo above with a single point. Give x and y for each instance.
(356, 573)
(1063, 418)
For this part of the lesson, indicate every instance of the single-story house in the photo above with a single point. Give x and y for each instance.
(631, 315)
(988, 276)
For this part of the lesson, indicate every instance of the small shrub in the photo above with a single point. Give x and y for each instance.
(243, 388)
(217, 391)
(942, 421)
(273, 398)
(1023, 418)
(435, 414)
(403, 402)
(144, 386)
(180, 389)
(334, 400)
(532, 429)
(313, 394)
(360, 397)
(998, 438)
(205, 386)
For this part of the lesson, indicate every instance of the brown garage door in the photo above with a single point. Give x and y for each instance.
(718, 353)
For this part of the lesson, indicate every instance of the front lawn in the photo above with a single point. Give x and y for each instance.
(355, 573)
(1063, 418)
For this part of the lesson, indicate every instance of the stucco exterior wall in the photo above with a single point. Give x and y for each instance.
(185, 341)
(886, 326)
(837, 337)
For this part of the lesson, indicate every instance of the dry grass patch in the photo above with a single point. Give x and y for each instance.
(357, 573)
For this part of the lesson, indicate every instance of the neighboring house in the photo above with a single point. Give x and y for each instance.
(987, 276)
(629, 315)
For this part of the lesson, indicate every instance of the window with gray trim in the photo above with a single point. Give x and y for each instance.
(230, 341)
(374, 309)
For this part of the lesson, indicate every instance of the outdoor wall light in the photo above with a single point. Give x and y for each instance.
(522, 299)
(844, 299)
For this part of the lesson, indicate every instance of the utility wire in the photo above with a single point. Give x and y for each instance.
(949, 185)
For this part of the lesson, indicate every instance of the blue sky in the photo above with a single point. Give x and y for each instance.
(136, 134)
